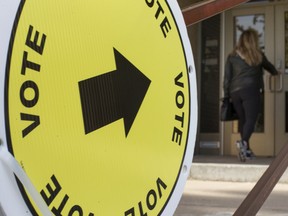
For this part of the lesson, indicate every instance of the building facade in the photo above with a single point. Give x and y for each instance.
(212, 40)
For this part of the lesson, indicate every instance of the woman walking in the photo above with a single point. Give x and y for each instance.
(243, 83)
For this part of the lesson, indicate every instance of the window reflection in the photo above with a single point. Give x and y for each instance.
(256, 22)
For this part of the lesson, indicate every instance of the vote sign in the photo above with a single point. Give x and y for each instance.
(99, 105)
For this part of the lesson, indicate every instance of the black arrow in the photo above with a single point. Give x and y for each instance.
(114, 95)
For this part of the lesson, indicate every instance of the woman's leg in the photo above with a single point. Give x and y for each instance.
(251, 103)
(238, 106)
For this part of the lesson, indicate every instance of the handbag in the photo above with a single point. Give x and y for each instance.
(227, 111)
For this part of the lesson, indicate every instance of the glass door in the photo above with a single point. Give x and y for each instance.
(262, 19)
(281, 86)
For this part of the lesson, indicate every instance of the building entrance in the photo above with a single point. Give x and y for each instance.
(271, 22)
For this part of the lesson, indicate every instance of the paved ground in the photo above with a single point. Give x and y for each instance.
(216, 198)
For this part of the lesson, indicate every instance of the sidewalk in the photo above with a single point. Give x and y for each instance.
(218, 185)
(217, 198)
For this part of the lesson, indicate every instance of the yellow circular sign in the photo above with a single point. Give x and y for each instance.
(98, 104)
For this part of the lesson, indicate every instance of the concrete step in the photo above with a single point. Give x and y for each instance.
(228, 168)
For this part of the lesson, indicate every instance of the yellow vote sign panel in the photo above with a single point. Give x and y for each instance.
(99, 106)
